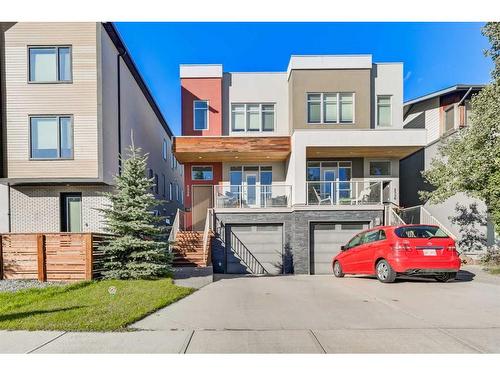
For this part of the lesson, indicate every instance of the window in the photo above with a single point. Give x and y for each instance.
(163, 185)
(380, 168)
(372, 236)
(202, 173)
(200, 114)
(468, 112)
(51, 137)
(449, 118)
(172, 161)
(49, 64)
(355, 241)
(330, 108)
(176, 192)
(170, 189)
(420, 231)
(164, 149)
(156, 183)
(71, 212)
(253, 117)
(384, 117)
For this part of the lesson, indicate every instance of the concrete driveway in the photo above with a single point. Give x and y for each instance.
(314, 314)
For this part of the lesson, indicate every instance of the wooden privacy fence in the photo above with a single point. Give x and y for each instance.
(51, 256)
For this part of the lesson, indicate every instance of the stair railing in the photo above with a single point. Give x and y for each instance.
(206, 235)
(177, 225)
(427, 218)
(245, 255)
(394, 218)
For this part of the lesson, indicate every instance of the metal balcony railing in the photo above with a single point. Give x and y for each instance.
(252, 196)
(350, 193)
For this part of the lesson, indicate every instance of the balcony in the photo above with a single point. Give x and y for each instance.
(252, 196)
(349, 193)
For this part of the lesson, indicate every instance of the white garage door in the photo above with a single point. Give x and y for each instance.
(265, 242)
(326, 240)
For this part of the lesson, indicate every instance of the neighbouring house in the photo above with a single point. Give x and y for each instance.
(71, 96)
(441, 113)
(285, 167)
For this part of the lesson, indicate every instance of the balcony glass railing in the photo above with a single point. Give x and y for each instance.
(344, 193)
(252, 196)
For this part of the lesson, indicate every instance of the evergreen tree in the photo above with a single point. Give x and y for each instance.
(469, 160)
(139, 248)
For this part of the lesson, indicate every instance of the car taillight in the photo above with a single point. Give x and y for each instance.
(452, 248)
(401, 246)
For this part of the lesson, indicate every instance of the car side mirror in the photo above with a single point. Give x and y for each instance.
(343, 248)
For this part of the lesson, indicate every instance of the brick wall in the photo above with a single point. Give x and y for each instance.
(37, 208)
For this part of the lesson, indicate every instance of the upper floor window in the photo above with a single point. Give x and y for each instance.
(380, 168)
(200, 108)
(202, 173)
(252, 117)
(468, 112)
(164, 185)
(330, 108)
(51, 137)
(164, 149)
(156, 188)
(50, 64)
(384, 117)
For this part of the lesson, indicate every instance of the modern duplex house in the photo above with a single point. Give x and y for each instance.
(71, 97)
(442, 114)
(290, 165)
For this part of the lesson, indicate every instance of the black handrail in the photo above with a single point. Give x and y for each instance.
(240, 249)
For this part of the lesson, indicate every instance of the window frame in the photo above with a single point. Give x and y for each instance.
(322, 108)
(202, 166)
(380, 161)
(390, 111)
(245, 117)
(58, 117)
(56, 47)
(453, 109)
(207, 114)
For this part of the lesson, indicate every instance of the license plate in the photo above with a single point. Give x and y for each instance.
(429, 252)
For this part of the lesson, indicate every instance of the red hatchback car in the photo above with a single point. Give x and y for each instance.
(420, 250)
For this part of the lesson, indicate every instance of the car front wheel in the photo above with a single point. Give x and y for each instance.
(385, 273)
(337, 269)
(446, 276)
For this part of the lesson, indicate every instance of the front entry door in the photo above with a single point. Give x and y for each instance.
(202, 201)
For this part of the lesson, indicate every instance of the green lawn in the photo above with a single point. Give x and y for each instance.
(495, 270)
(87, 306)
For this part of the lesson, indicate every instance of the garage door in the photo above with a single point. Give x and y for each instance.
(326, 240)
(265, 242)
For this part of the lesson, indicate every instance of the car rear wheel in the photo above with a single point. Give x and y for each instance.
(337, 269)
(385, 273)
(446, 276)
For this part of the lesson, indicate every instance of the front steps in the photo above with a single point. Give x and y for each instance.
(188, 250)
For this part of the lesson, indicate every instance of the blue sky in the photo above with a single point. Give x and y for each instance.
(435, 55)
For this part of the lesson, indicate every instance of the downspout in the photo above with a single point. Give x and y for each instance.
(8, 207)
(119, 105)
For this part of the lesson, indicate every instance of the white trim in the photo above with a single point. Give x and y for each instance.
(200, 71)
(322, 108)
(194, 114)
(376, 111)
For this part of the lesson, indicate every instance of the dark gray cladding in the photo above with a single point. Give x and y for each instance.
(296, 226)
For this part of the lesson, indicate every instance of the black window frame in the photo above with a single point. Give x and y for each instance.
(58, 117)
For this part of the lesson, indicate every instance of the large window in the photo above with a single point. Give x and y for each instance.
(380, 168)
(202, 173)
(164, 149)
(384, 117)
(51, 137)
(330, 108)
(200, 114)
(49, 64)
(252, 117)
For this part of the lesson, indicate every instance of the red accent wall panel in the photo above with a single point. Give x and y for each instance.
(202, 89)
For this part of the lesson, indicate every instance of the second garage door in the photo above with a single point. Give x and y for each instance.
(265, 242)
(326, 240)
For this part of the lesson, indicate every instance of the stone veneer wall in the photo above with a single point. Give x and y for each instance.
(296, 226)
(37, 208)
